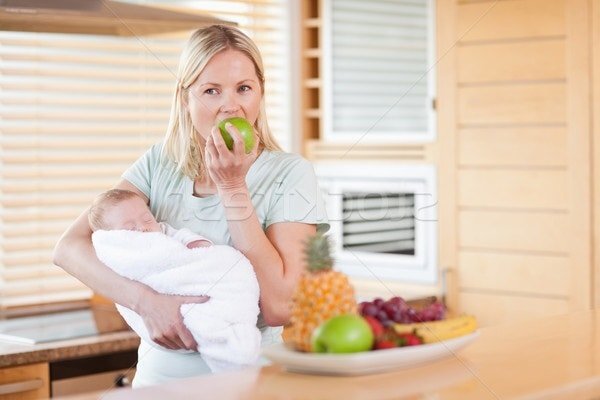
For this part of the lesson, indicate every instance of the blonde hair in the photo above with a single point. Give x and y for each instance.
(182, 144)
(102, 202)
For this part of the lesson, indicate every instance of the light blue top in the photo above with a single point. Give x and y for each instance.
(283, 188)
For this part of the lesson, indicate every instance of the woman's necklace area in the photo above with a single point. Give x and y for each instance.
(204, 189)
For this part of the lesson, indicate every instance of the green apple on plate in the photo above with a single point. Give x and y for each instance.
(245, 129)
(348, 333)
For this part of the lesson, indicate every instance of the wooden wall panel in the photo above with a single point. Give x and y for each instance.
(513, 61)
(509, 230)
(579, 155)
(520, 146)
(512, 104)
(510, 272)
(510, 20)
(523, 167)
(497, 308)
(446, 148)
(398, 152)
(519, 188)
(596, 151)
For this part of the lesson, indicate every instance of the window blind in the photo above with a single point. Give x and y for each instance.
(378, 56)
(76, 111)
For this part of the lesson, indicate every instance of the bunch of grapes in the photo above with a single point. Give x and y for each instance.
(396, 310)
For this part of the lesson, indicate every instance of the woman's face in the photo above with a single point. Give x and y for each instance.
(227, 87)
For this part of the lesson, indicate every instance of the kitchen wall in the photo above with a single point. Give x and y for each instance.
(515, 156)
(515, 110)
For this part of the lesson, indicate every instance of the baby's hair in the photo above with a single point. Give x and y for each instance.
(109, 198)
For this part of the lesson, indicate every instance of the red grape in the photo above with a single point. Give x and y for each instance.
(382, 316)
(389, 308)
(370, 309)
(396, 310)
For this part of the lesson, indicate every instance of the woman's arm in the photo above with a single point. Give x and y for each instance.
(277, 255)
(75, 254)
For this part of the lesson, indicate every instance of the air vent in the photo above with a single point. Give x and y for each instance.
(379, 222)
(383, 219)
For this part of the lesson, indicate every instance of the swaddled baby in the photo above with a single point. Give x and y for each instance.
(129, 240)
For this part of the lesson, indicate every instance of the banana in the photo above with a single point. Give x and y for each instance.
(437, 331)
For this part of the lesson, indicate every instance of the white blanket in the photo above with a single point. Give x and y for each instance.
(225, 326)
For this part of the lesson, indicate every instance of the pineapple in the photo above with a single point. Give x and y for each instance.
(321, 294)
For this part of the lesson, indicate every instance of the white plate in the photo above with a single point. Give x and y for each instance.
(367, 362)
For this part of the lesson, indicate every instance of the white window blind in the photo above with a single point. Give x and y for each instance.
(377, 57)
(76, 111)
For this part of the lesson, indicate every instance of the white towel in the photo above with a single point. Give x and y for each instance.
(225, 326)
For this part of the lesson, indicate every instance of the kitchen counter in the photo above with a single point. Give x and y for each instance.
(111, 336)
(12, 354)
(555, 357)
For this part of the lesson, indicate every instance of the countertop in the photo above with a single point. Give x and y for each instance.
(113, 336)
(12, 354)
(554, 357)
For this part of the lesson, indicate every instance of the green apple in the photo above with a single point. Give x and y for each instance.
(348, 333)
(245, 129)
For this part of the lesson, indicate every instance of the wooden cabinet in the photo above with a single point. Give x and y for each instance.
(97, 373)
(24, 382)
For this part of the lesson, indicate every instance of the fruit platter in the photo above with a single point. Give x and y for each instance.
(329, 333)
(363, 363)
(358, 344)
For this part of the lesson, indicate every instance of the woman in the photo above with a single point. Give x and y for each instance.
(264, 203)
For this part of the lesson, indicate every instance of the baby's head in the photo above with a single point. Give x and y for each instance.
(121, 209)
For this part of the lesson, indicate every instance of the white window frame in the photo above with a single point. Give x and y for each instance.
(326, 73)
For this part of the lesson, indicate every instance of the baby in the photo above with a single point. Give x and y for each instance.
(119, 209)
(128, 239)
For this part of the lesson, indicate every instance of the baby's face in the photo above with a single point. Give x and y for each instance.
(132, 215)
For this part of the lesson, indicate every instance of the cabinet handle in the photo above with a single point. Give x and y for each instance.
(20, 387)
(122, 380)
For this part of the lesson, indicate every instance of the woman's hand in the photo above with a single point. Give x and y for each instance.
(162, 316)
(228, 168)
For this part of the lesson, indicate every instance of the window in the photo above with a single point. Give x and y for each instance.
(76, 111)
(377, 61)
